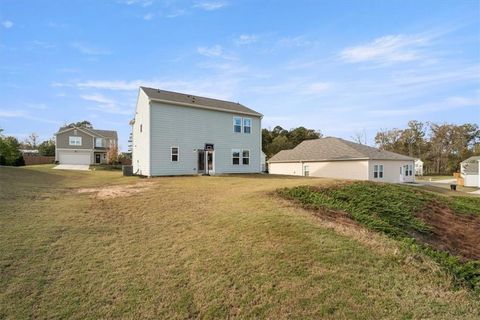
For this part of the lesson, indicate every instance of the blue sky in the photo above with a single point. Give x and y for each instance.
(337, 66)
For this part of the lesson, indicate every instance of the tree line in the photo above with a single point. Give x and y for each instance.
(277, 139)
(440, 146)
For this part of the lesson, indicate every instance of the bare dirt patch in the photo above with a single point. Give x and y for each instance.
(109, 192)
(451, 232)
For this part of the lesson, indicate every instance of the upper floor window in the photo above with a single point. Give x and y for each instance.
(247, 125)
(378, 171)
(75, 141)
(237, 124)
(175, 153)
(99, 143)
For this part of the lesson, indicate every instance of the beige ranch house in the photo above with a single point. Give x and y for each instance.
(341, 159)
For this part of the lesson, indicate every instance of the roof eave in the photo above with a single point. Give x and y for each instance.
(318, 160)
(205, 107)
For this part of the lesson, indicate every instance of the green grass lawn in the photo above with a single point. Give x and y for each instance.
(199, 247)
(434, 178)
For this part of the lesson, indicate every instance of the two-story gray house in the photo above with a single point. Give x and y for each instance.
(80, 145)
(182, 134)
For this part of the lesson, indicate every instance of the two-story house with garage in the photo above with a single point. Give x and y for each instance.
(182, 134)
(81, 145)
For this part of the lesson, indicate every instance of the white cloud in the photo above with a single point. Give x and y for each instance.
(318, 87)
(210, 5)
(24, 115)
(387, 49)
(7, 24)
(105, 104)
(88, 50)
(176, 13)
(109, 85)
(214, 51)
(148, 16)
(11, 113)
(447, 104)
(143, 3)
(43, 44)
(246, 39)
(298, 41)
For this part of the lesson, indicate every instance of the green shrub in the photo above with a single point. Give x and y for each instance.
(391, 209)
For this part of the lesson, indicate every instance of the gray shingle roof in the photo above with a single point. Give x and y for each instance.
(470, 165)
(110, 134)
(106, 133)
(331, 148)
(157, 94)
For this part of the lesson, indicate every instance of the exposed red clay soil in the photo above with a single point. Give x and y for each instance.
(454, 233)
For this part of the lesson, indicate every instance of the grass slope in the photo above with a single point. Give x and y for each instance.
(198, 247)
(394, 210)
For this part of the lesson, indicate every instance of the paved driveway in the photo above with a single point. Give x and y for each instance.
(81, 167)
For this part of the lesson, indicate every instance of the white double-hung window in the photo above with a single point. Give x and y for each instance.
(247, 125)
(99, 143)
(174, 154)
(235, 156)
(75, 141)
(378, 171)
(246, 157)
(237, 124)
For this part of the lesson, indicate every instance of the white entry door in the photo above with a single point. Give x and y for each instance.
(401, 174)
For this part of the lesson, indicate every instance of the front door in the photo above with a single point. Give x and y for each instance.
(97, 158)
(210, 162)
(201, 161)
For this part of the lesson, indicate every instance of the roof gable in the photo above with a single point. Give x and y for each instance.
(110, 134)
(197, 101)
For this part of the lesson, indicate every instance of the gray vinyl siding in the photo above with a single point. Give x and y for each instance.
(189, 128)
(62, 140)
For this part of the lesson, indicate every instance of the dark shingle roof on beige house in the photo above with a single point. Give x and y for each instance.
(331, 149)
(470, 165)
(196, 101)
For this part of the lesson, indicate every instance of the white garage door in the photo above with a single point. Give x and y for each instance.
(74, 157)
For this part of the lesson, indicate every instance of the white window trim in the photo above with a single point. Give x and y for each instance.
(102, 143)
(243, 125)
(239, 157)
(378, 168)
(234, 125)
(306, 168)
(77, 141)
(246, 157)
(171, 154)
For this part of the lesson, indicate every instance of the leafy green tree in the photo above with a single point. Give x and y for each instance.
(281, 139)
(81, 124)
(47, 148)
(441, 146)
(9, 149)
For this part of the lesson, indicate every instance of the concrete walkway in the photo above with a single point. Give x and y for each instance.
(79, 167)
(447, 181)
